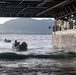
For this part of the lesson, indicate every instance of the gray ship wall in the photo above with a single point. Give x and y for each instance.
(65, 40)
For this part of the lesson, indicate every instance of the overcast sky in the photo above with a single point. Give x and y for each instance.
(3, 20)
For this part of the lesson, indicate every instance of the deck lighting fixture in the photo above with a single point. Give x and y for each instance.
(72, 15)
(65, 17)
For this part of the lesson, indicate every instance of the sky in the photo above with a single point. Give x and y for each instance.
(3, 20)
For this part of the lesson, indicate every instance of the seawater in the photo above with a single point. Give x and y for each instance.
(37, 44)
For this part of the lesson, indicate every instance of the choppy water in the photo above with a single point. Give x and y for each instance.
(37, 44)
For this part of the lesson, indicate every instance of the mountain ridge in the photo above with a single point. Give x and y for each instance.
(27, 25)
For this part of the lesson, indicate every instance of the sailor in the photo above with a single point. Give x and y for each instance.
(16, 43)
